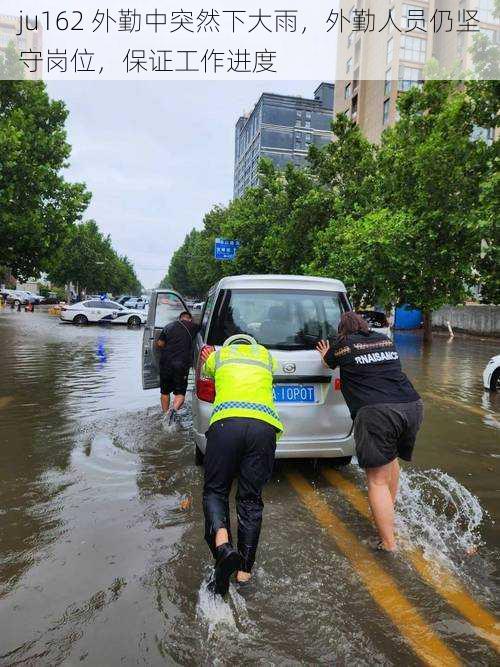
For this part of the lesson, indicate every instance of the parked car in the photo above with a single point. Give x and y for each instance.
(491, 374)
(198, 306)
(22, 297)
(101, 311)
(136, 302)
(288, 315)
(376, 320)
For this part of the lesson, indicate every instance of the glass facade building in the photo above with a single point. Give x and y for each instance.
(281, 128)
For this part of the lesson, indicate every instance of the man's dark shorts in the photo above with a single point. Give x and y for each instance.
(385, 431)
(174, 379)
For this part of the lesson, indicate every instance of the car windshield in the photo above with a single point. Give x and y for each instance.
(278, 319)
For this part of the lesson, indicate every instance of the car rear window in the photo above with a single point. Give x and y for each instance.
(278, 319)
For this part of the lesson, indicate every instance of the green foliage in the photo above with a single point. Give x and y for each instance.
(430, 168)
(165, 283)
(403, 222)
(11, 68)
(193, 268)
(87, 259)
(43, 290)
(370, 254)
(37, 205)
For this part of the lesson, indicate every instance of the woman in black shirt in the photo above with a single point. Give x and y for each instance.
(386, 409)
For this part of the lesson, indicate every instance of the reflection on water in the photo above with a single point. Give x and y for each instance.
(102, 558)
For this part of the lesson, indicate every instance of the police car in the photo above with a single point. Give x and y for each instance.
(103, 311)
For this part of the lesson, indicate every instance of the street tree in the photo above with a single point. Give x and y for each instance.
(431, 169)
(370, 254)
(11, 68)
(87, 259)
(37, 204)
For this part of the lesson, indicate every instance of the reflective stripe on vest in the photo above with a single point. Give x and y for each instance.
(244, 405)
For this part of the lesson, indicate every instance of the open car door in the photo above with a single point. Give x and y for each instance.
(165, 306)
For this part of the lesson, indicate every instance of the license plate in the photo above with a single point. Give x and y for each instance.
(294, 393)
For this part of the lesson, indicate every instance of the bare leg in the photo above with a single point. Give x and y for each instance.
(382, 504)
(394, 483)
(242, 576)
(178, 401)
(221, 537)
(165, 402)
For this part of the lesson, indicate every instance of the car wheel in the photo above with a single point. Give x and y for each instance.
(341, 461)
(199, 456)
(134, 321)
(495, 380)
(80, 319)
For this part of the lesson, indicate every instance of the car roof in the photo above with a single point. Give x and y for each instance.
(281, 282)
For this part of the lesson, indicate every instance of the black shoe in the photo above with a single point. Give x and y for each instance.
(227, 562)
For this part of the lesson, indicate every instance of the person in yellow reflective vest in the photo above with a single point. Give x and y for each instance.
(241, 442)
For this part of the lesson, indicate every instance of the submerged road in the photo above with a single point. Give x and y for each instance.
(102, 558)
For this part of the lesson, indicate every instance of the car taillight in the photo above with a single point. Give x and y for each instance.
(205, 387)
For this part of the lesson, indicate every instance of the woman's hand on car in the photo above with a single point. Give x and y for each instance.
(206, 352)
(322, 347)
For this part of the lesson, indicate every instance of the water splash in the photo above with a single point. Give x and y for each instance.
(214, 612)
(438, 514)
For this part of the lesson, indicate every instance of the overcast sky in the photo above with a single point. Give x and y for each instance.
(156, 157)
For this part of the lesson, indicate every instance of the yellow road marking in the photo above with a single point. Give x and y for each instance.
(442, 581)
(5, 400)
(460, 404)
(383, 589)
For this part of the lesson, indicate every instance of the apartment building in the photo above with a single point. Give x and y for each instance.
(32, 39)
(373, 67)
(281, 128)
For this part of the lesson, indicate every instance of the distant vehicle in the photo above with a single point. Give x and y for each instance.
(198, 306)
(376, 320)
(135, 302)
(22, 297)
(102, 311)
(491, 374)
(123, 299)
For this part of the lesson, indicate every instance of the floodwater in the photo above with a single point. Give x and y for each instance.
(102, 559)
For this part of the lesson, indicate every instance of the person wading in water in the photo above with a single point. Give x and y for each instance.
(386, 409)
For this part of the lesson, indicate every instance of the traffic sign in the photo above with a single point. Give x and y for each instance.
(225, 249)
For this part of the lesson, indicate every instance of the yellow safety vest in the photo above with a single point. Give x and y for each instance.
(243, 383)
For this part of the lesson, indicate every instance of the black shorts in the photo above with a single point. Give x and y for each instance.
(174, 380)
(385, 431)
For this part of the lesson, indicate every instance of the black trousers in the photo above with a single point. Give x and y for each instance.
(244, 448)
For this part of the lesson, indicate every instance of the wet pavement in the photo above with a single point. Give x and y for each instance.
(102, 559)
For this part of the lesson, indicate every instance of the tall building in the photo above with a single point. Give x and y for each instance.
(281, 127)
(373, 67)
(32, 39)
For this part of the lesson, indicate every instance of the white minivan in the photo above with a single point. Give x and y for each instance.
(288, 315)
